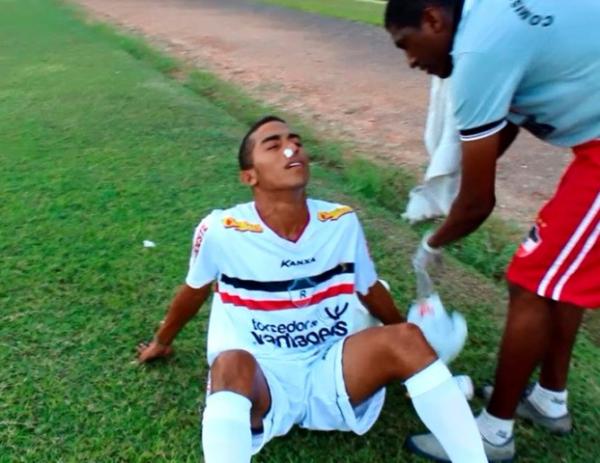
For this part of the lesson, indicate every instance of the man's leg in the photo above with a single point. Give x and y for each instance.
(525, 341)
(558, 260)
(373, 358)
(566, 319)
(537, 330)
(546, 403)
(238, 401)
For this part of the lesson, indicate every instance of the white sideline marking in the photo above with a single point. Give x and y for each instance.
(378, 2)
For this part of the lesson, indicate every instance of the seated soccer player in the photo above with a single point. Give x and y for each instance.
(289, 274)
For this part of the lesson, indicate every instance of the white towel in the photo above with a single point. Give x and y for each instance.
(434, 197)
(440, 186)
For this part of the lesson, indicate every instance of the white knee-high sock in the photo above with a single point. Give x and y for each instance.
(443, 408)
(226, 435)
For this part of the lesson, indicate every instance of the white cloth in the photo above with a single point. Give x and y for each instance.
(446, 333)
(434, 197)
(313, 396)
(279, 299)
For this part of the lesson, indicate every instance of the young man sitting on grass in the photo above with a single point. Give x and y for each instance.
(289, 274)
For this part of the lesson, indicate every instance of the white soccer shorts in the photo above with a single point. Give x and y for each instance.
(313, 395)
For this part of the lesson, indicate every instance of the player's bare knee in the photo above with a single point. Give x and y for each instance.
(411, 337)
(233, 370)
(409, 346)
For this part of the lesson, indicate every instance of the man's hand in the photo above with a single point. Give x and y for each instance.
(476, 199)
(148, 351)
(426, 255)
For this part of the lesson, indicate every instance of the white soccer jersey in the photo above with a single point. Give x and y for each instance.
(276, 298)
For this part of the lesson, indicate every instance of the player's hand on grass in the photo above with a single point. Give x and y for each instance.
(153, 350)
(426, 256)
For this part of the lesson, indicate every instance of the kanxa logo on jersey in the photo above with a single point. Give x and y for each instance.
(303, 333)
(295, 263)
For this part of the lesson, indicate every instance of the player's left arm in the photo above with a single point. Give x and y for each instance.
(476, 198)
(380, 304)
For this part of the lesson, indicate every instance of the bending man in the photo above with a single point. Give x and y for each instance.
(534, 64)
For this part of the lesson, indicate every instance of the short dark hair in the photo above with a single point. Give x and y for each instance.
(408, 13)
(247, 145)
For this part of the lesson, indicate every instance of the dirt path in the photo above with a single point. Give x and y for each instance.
(346, 77)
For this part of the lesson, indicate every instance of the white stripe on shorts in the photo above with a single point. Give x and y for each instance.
(575, 237)
(576, 263)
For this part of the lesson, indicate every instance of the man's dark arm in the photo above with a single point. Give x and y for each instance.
(476, 198)
(507, 136)
(380, 304)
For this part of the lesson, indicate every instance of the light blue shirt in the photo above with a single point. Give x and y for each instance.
(535, 63)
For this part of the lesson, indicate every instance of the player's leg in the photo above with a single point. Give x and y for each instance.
(373, 358)
(239, 398)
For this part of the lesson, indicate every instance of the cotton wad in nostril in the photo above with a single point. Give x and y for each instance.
(288, 152)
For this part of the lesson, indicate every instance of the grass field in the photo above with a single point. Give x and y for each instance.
(100, 149)
(368, 11)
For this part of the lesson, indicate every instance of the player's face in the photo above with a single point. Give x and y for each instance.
(427, 47)
(279, 160)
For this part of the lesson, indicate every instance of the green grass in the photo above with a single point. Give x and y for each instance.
(354, 10)
(100, 149)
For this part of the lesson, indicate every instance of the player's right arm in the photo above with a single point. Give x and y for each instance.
(202, 272)
(183, 308)
(381, 305)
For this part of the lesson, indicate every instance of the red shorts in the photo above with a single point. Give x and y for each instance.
(560, 258)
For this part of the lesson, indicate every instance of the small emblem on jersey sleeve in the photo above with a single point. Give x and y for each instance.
(199, 238)
(334, 214)
(241, 225)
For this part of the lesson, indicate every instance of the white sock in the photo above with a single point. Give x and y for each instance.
(444, 410)
(553, 404)
(226, 435)
(495, 430)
